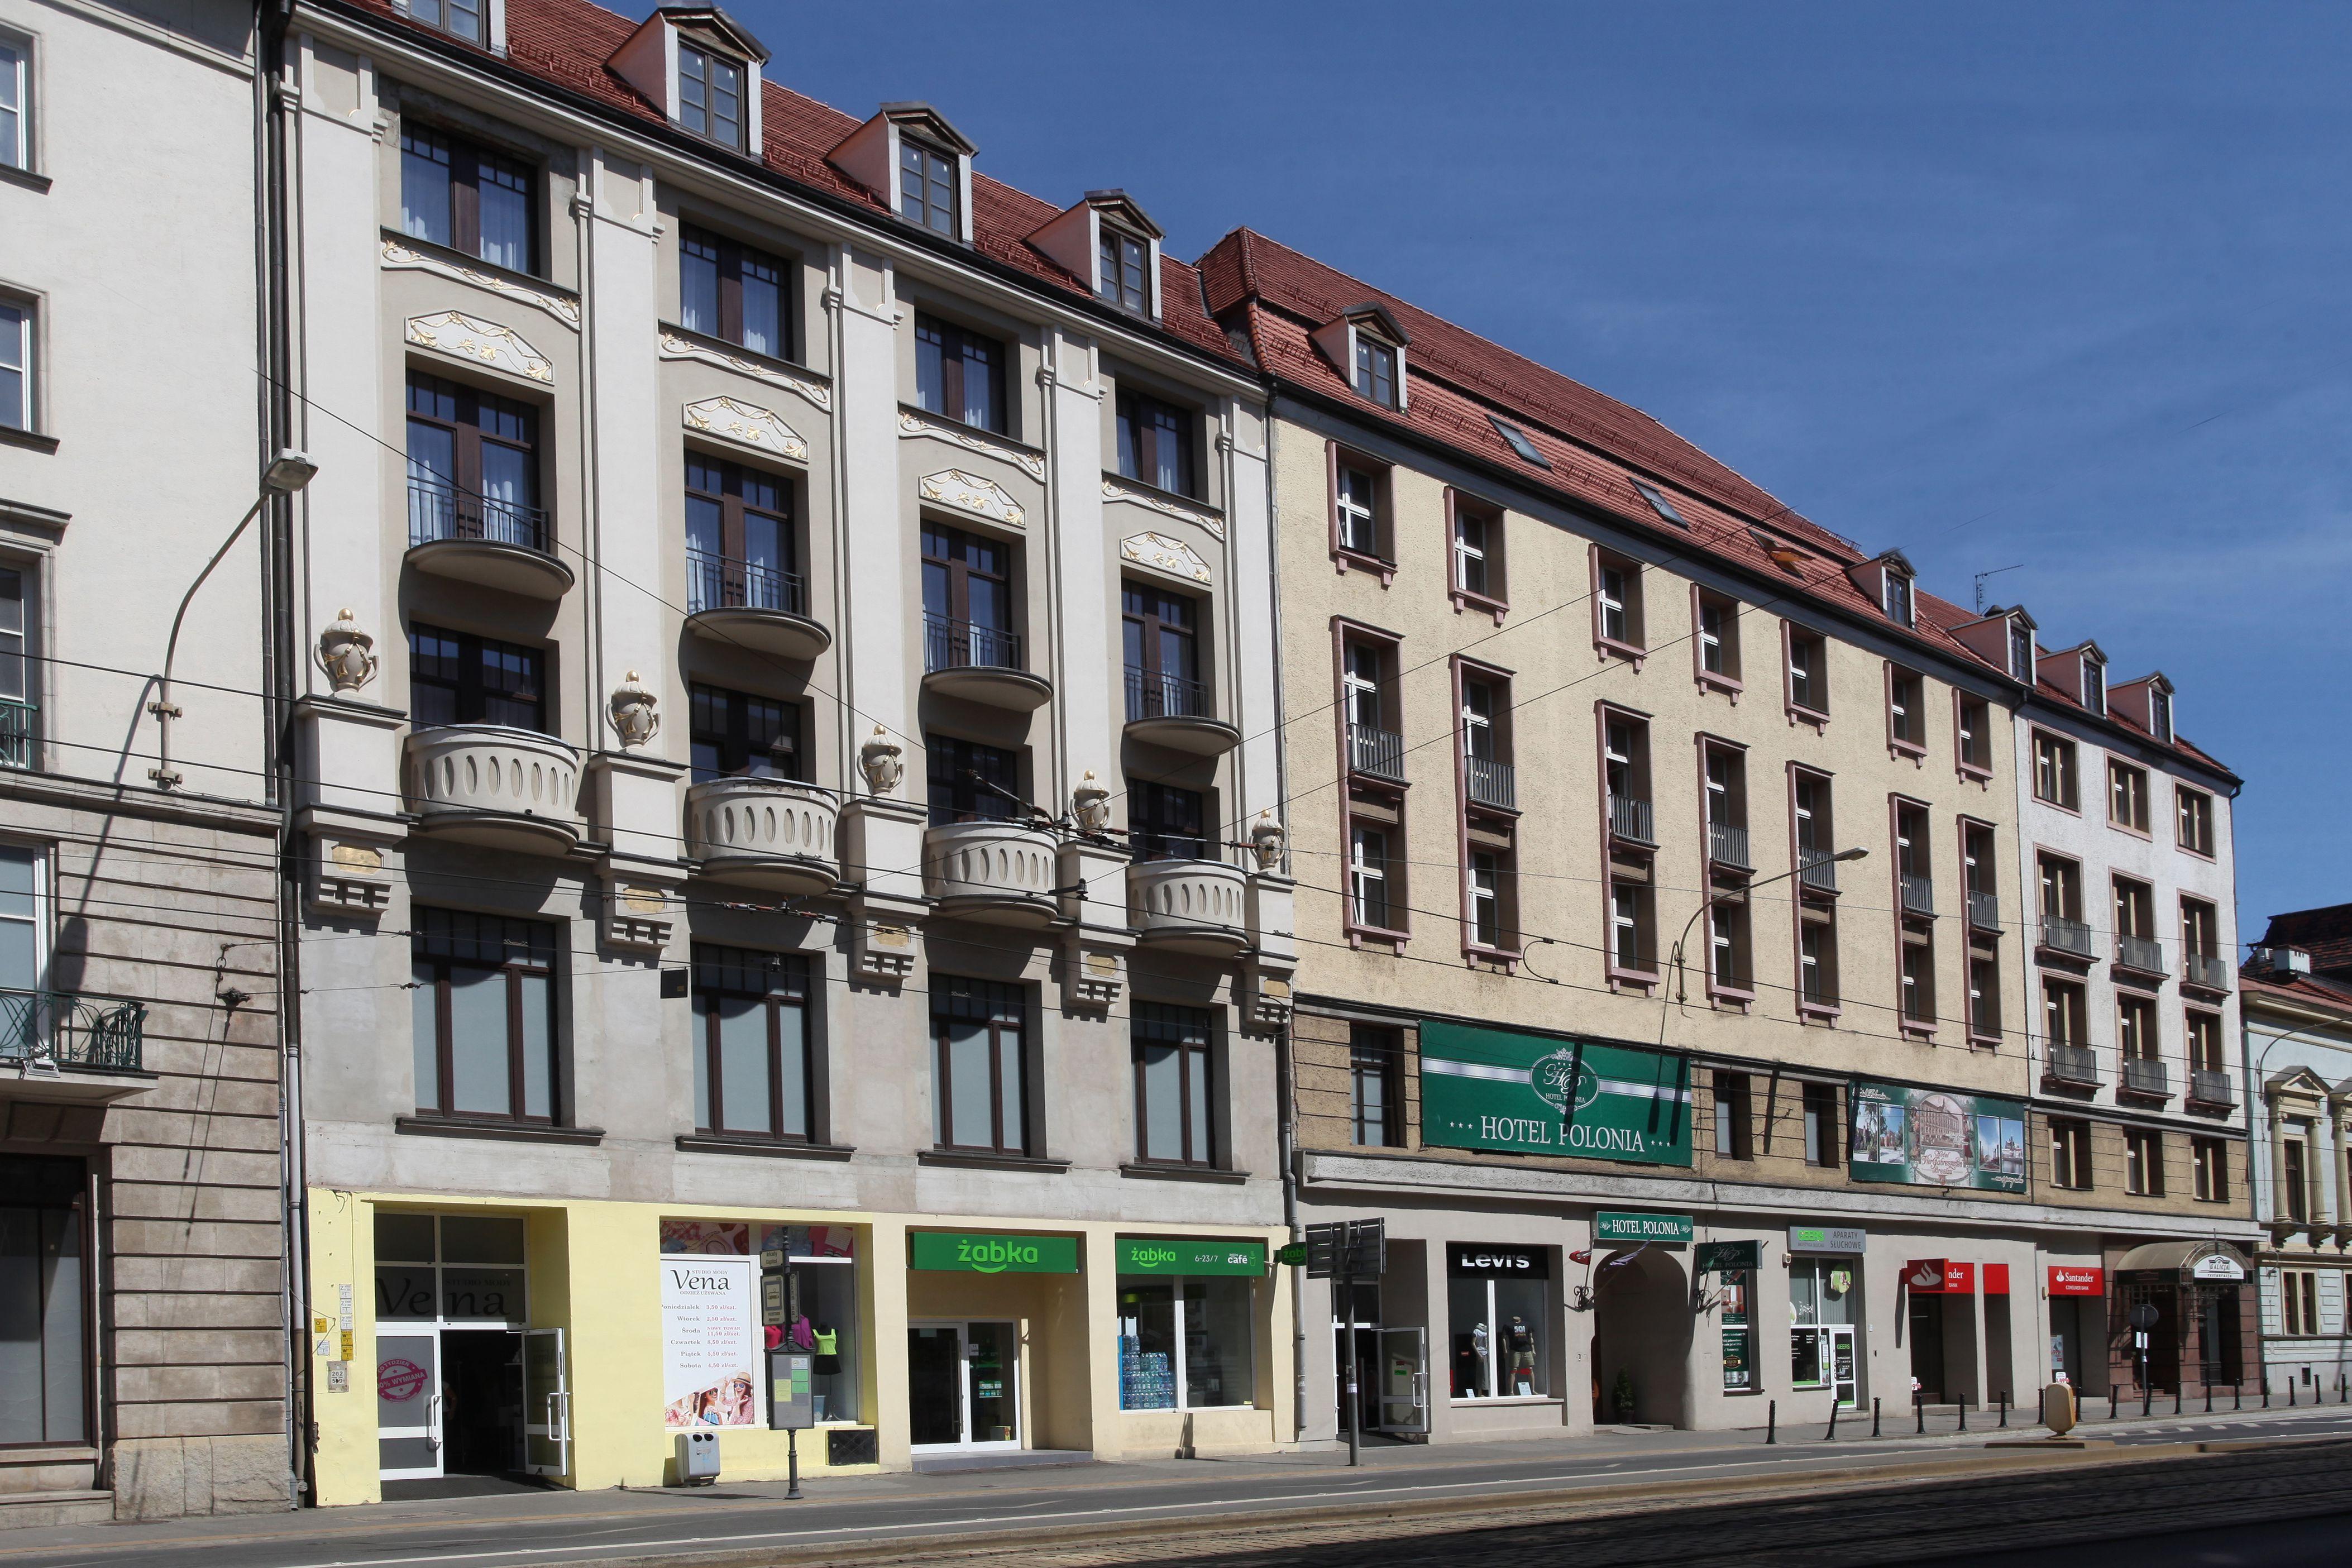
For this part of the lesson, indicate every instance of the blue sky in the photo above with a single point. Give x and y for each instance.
(2058, 286)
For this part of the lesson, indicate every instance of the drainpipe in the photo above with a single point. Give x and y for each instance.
(1289, 1154)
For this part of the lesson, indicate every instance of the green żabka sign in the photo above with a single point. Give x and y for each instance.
(1153, 1255)
(951, 1252)
(1492, 1089)
(1932, 1138)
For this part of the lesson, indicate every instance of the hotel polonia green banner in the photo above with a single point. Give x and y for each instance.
(1932, 1138)
(1492, 1089)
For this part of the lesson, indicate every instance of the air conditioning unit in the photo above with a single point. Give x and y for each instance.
(2282, 962)
(697, 1457)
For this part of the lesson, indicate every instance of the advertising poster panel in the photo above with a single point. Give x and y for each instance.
(1934, 1138)
(710, 1341)
(1535, 1094)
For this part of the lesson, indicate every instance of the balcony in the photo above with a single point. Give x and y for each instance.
(1491, 783)
(2071, 938)
(1984, 909)
(751, 605)
(2212, 1088)
(1918, 894)
(2148, 1078)
(2139, 953)
(1171, 711)
(766, 833)
(1817, 868)
(980, 664)
(2075, 1065)
(1727, 846)
(1191, 906)
(478, 539)
(2206, 971)
(1376, 754)
(18, 733)
(1629, 819)
(484, 783)
(999, 872)
(76, 1050)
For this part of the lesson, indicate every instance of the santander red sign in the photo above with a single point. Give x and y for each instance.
(1940, 1277)
(2068, 1280)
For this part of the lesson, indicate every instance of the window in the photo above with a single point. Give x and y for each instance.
(2061, 889)
(1913, 859)
(2210, 1157)
(2053, 770)
(2128, 796)
(1728, 969)
(1123, 263)
(24, 927)
(927, 186)
(710, 95)
(733, 292)
(1984, 996)
(751, 1069)
(1822, 1303)
(1907, 718)
(2064, 1015)
(469, 198)
(18, 734)
(1185, 1344)
(1660, 504)
(473, 466)
(1824, 1135)
(2070, 1153)
(2203, 1033)
(1617, 603)
(16, 366)
(2020, 651)
(1816, 834)
(1918, 969)
(1808, 684)
(979, 1065)
(1518, 440)
(44, 1293)
(2299, 1300)
(1355, 501)
(1471, 532)
(1155, 442)
(960, 376)
(1733, 1115)
(2295, 1156)
(1163, 671)
(2194, 810)
(1375, 1087)
(1718, 636)
(14, 152)
(739, 548)
(456, 677)
(1817, 970)
(1973, 742)
(1164, 823)
(2135, 1028)
(1376, 375)
(1979, 873)
(972, 782)
(2095, 685)
(1360, 683)
(1897, 598)
(2159, 713)
(1496, 1325)
(1485, 881)
(1479, 709)
(460, 18)
(1368, 877)
(2136, 943)
(2143, 1163)
(733, 734)
(967, 601)
(2201, 930)
(483, 995)
(1174, 1124)
(1625, 770)
(1631, 944)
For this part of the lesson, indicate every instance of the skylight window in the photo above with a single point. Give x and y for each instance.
(1660, 504)
(1519, 442)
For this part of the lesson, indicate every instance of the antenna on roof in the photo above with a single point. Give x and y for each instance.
(1982, 575)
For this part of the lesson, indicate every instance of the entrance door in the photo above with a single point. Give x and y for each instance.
(546, 1404)
(1927, 1315)
(1840, 1337)
(408, 1405)
(1356, 1343)
(961, 1385)
(482, 1406)
(1404, 1379)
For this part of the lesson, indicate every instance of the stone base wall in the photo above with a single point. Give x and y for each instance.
(165, 1477)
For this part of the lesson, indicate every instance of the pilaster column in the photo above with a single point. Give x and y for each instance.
(1085, 731)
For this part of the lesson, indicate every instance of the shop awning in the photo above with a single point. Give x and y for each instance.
(2204, 1259)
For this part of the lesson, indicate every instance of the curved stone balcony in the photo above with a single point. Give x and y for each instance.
(765, 833)
(484, 783)
(993, 871)
(1191, 906)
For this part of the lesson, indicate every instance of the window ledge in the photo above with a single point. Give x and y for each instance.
(1509, 958)
(1731, 996)
(33, 440)
(1460, 1402)
(1911, 749)
(1359, 935)
(1610, 647)
(1646, 979)
(1342, 557)
(12, 176)
(1918, 1032)
(949, 425)
(1144, 490)
(471, 263)
(1989, 1042)
(1731, 686)
(1464, 599)
(2040, 799)
(1800, 714)
(504, 1131)
(710, 1144)
(1970, 772)
(1147, 1169)
(975, 1160)
(1820, 1012)
(721, 346)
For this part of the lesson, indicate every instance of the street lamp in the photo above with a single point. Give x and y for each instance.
(287, 474)
(1681, 995)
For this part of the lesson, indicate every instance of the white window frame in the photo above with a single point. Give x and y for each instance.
(1356, 515)
(1612, 602)
(1801, 674)
(1808, 963)
(25, 416)
(16, 76)
(1366, 870)
(1710, 642)
(1464, 552)
(39, 917)
(1625, 923)
(1896, 598)
(1356, 688)
(1485, 884)
(1475, 725)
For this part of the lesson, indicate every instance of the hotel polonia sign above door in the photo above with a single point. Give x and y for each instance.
(1536, 1094)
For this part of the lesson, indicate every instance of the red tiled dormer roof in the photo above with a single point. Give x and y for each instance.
(2057, 696)
(2324, 933)
(565, 43)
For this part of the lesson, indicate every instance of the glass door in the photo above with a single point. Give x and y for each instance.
(1404, 1379)
(960, 1385)
(408, 1405)
(546, 1404)
(992, 1359)
(1840, 1349)
(934, 1386)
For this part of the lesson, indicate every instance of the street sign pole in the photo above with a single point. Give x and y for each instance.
(1355, 1399)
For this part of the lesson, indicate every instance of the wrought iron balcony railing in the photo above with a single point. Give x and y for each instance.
(2144, 1077)
(1727, 846)
(723, 583)
(438, 510)
(2141, 954)
(1919, 895)
(1817, 868)
(1379, 752)
(1629, 818)
(1155, 694)
(1984, 909)
(1492, 782)
(959, 644)
(17, 733)
(2062, 935)
(2075, 1065)
(64, 1029)
(2212, 1088)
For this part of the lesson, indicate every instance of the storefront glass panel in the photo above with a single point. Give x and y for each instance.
(1821, 1314)
(1185, 1345)
(823, 1259)
(42, 1369)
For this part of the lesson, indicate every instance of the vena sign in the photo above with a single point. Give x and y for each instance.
(952, 1252)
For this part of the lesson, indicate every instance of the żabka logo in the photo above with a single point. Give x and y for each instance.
(994, 1254)
(1153, 1257)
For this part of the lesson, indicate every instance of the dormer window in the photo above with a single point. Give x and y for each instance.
(710, 94)
(2159, 714)
(1896, 598)
(2020, 651)
(2095, 685)
(458, 18)
(1375, 371)
(1122, 264)
(927, 185)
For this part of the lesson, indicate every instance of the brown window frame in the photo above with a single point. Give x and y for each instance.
(1374, 1052)
(731, 260)
(466, 159)
(955, 343)
(2066, 769)
(1825, 1132)
(527, 949)
(949, 992)
(2210, 1158)
(2121, 774)
(718, 971)
(2183, 795)
(1735, 1112)
(1146, 423)
(746, 84)
(2075, 1134)
(931, 162)
(1200, 1144)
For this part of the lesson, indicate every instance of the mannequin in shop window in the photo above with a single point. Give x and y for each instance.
(1521, 1340)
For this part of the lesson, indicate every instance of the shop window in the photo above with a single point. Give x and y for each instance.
(43, 1343)
(1185, 1344)
(1497, 1308)
(751, 1066)
(483, 1006)
(979, 1099)
(1175, 1115)
(462, 1271)
(823, 1262)
(1375, 1087)
(1821, 1325)
(1734, 1118)
(1823, 1137)
(2212, 1157)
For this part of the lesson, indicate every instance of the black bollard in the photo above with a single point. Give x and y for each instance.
(2175, 1395)
(1962, 1405)
(1919, 1404)
(1873, 1416)
(2147, 1395)
(2237, 1393)
(1831, 1435)
(2266, 1391)
(1772, 1421)
(2208, 1397)
(2004, 1410)
(2290, 1393)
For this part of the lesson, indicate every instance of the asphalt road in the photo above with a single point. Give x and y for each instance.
(533, 1530)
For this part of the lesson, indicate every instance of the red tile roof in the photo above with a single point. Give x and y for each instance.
(2326, 934)
(566, 43)
(2313, 990)
(2057, 696)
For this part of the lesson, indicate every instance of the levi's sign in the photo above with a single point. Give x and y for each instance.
(1658, 1230)
(1473, 1260)
(1535, 1094)
(947, 1251)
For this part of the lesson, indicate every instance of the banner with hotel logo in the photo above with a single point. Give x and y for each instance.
(1533, 1094)
(1932, 1138)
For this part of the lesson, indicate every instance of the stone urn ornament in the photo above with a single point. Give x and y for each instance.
(346, 654)
(883, 762)
(636, 711)
(1090, 803)
(1265, 840)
